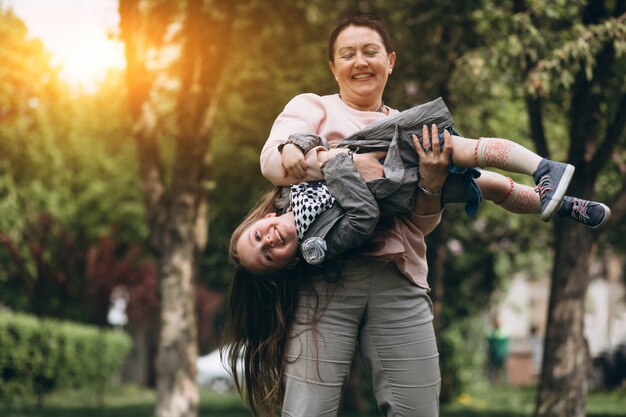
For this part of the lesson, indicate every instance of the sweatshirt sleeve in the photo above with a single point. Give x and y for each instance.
(303, 114)
(425, 223)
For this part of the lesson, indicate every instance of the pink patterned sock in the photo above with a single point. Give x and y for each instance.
(521, 199)
(505, 154)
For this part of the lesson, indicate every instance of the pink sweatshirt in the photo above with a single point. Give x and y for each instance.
(329, 117)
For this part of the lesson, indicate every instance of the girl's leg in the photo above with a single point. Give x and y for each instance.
(398, 346)
(522, 199)
(511, 196)
(552, 178)
(495, 153)
(321, 348)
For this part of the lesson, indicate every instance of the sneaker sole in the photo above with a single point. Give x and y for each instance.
(607, 215)
(559, 193)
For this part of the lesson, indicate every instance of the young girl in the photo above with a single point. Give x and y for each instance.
(325, 219)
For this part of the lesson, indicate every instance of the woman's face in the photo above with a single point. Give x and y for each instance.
(269, 244)
(361, 66)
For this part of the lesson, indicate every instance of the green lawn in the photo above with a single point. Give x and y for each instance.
(137, 402)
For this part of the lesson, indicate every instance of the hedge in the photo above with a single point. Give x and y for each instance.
(41, 355)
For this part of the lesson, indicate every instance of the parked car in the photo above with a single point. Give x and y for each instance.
(214, 374)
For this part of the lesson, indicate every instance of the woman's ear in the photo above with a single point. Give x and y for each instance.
(270, 215)
(331, 65)
(392, 61)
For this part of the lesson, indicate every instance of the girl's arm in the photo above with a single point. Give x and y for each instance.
(294, 153)
(304, 113)
(353, 218)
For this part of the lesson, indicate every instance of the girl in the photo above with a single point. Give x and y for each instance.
(326, 219)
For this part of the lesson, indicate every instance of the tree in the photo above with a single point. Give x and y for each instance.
(597, 116)
(567, 62)
(176, 202)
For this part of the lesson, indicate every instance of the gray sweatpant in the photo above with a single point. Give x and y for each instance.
(375, 308)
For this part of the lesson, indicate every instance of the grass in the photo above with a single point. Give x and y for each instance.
(129, 401)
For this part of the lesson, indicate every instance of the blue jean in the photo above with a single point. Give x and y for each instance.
(377, 310)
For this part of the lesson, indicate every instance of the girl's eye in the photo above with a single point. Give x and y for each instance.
(257, 235)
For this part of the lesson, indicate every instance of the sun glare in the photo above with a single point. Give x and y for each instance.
(76, 32)
(85, 60)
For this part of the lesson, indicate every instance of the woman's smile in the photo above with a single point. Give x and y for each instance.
(363, 76)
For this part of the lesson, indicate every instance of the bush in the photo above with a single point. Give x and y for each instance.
(40, 355)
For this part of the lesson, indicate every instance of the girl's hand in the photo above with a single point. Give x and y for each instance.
(433, 160)
(293, 161)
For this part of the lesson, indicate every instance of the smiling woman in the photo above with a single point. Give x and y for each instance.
(77, 35)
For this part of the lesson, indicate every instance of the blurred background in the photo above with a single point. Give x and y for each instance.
(113, 114)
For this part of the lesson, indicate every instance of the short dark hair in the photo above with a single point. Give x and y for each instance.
(359, 19)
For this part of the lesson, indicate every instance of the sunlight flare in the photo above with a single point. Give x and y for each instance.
(77, 34)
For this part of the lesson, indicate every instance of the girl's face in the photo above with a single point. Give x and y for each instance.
(269, 244)
(361, 64)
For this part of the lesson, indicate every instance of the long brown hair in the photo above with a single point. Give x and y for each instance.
(260, 314)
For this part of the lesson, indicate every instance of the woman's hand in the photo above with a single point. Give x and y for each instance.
(433, 170)
(293, 161)
(368, 165)
(433, 160)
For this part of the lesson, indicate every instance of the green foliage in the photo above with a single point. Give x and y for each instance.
(67, 177)
(462, 354)
(39, 356)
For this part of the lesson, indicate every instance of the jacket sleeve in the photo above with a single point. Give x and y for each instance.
(304, 113)
(361, 215)
(305, 141)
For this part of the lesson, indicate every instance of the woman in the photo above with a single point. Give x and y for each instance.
(373, 302)
(305, 328)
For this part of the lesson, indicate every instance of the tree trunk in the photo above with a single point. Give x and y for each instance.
(177, 214)
(563, 383)
(177, 392)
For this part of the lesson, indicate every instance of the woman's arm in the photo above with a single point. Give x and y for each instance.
(433, 170)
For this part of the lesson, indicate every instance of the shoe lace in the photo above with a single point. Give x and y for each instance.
(579, 210)
(544, 185)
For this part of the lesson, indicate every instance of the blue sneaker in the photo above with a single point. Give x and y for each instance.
(552, 179)
(590, 213)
